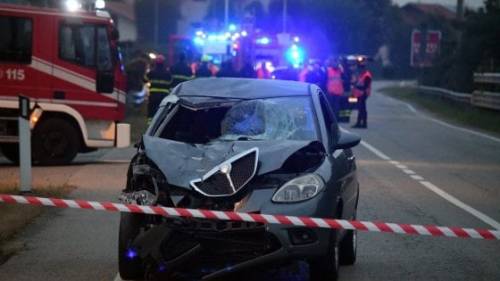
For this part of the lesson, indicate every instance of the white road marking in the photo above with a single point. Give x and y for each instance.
(409, 172)
(411, 108)
(443, 194)
(377, 152)
(450, 198)
(442, 123)
(417, 177)
(117, 278)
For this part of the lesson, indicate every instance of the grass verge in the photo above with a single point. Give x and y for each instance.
(14, 218)
(462, 114)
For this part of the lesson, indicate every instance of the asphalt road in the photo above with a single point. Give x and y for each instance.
(412, 169)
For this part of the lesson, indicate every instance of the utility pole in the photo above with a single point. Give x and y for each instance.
(226, 14)
(460, 10)
(156, 24)
(285, 8)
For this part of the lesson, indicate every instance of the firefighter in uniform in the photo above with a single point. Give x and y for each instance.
(181, 71)
(334, 85)
(160, 83)
(362, 90)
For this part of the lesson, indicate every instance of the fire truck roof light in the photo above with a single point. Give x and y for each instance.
(73, 5)
(296, 39)
(152, 56)
(100, 4)
(244, 33)
(198, 41)
(263, 41)
(232, 27)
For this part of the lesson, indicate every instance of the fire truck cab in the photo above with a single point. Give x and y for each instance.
(69, 66)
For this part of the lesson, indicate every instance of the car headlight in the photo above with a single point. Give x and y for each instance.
(299, 189)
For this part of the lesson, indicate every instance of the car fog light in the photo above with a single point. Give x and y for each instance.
(299, 189)
(301, 236)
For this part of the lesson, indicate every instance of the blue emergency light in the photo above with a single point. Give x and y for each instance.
(295, 55)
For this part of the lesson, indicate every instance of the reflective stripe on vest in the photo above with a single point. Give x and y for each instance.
(335, 85)
(360, 83)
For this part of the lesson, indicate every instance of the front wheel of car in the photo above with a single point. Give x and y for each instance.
(130, 265)
(327, 268)
(348, 247)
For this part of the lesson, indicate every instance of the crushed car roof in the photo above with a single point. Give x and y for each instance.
(242, 88)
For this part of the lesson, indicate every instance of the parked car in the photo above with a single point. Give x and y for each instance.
(245, 145)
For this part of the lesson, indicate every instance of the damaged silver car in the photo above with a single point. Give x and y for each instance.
(245, 145)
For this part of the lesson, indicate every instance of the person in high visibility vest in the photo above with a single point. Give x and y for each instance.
(362, 90)
(159, 80)
(334, 85)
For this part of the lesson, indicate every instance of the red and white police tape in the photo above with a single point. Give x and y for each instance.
(411, 229)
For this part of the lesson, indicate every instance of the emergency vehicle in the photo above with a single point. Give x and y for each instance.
(69, 66)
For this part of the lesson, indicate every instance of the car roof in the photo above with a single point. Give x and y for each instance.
(242, 88)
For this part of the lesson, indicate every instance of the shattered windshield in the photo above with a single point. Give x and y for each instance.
(285, 118)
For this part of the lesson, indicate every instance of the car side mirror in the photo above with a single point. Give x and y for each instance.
(347, 140)
(105, 82)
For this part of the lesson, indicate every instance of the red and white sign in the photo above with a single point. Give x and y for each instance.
(425, 47)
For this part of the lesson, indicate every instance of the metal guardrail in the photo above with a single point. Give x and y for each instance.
(483, 97)
(487, 94)
(456, 96)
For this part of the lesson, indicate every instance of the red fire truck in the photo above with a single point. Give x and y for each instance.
(68, 64)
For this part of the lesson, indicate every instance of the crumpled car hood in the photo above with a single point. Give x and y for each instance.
(182, 162)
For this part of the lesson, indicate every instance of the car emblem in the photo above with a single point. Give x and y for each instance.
(225, 168)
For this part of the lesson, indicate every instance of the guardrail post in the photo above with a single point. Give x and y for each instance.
(25, 180)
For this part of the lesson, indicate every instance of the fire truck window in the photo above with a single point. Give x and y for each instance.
(77, 44)
(16, 42)
(104, 62)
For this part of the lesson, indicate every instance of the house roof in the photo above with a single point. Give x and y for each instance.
(413, 12)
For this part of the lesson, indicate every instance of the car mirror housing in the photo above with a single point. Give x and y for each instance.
(347, 140)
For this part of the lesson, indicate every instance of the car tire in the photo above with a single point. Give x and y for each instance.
(327, 268)
(130, 228)
(55, 142)
(348, 248)
(11, 152)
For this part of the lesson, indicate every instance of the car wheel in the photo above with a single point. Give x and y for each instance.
(130, 265)
(11, 152)
(327, 268)
(348, 247)
(55, 142)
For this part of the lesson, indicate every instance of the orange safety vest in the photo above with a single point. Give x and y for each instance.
(360, 83)
(334, 85)
(263, 73)
(303, 74)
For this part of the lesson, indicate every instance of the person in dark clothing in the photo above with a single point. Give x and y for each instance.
(362, 90)
(227, 70)
(160, 84)
(247, 71)
(317, 76)
(203, 70)
(181, 71)
(346, 75)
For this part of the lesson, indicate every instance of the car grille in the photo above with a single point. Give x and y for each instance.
(229, 177)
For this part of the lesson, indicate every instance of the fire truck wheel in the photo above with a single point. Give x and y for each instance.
(10, 151)
(55, 142)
